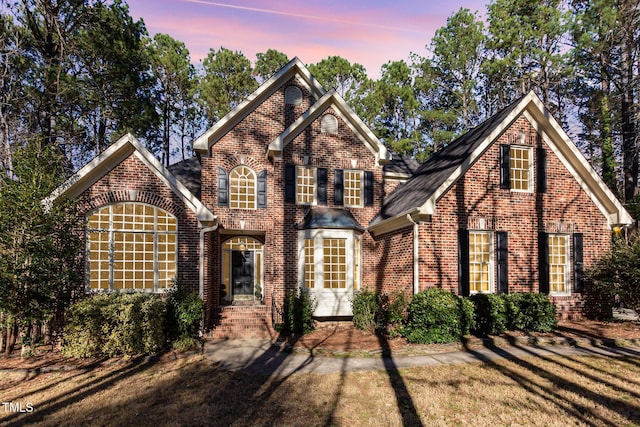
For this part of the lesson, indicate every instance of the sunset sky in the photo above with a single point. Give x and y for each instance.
(368, 32)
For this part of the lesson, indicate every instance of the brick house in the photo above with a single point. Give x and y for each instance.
(291, 190)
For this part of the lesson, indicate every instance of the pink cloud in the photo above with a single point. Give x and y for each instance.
(370, 33)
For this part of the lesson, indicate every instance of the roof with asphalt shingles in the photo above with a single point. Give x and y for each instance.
(436, 169)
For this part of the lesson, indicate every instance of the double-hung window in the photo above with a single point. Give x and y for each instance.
(559, 267)
(306, 185)
(353, 188)
(481, 262)
(521, 168)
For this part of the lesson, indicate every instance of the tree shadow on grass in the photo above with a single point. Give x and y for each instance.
(556, 384)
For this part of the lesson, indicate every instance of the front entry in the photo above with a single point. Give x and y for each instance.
(242, 269)
(242, 274)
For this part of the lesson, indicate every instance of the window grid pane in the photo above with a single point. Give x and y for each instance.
(309, 264)
(242, 188)
(558, 263)
(479, 261)
(131, 246)
(335, 263)
(352, 188)
(305, 185)
(520, 168)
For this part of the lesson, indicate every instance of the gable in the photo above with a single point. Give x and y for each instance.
(113, 156)
(418, 197)
(293, 69)
(330, 100)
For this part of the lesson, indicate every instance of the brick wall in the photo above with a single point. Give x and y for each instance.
(393, 270)
(246, 144)
(477, 197)
(132, 181)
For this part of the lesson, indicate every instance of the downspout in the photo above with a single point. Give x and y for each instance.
(203, 231)
(416, 255)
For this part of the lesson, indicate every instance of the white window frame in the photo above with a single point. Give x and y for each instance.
(243, 204)
(492, 264)
(318, 236)
(567, 264)
(314, 187)
(345, 173)
(530, 170)
(158, 230)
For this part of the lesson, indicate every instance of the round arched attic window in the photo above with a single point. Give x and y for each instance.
(293, 96)
(329, 124)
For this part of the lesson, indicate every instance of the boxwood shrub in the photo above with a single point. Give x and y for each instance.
(437, 316)
(115, 324)
(490, 314)
(367, 311)
(530, 312)
(297, 312)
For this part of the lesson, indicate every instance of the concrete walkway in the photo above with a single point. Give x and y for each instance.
(263, 357)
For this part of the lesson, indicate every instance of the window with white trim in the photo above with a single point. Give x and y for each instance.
(559, 268)
(521, 168)
(306, 185)
(481, 262)
(329, 259)
(309, 264)
(353, 188)
(131, 246)
(242, 188)
(335, 263)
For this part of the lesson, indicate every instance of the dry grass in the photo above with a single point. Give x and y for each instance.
(546, 391)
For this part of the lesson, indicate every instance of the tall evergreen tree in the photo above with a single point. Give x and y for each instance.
(175, 77)
(227, 80)
(269, 62)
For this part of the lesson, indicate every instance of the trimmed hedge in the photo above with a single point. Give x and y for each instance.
(528, 312)
(115, 324)
(437, 316)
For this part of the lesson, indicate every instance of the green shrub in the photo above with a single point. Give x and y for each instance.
(436, 316)
(467, 315)
(394, 308)
(530, 312)
(617, 273)
(490, 314)
(184, 312)
(115, 324)
(297, 312)
(366, 311)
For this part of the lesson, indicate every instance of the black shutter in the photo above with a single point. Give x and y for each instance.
(463, 262)
(290, 183)
(578, 266)
(502, 244)
(223, 187)
(505, 181)
(368, 188)
(321, 185)
(543, 262)
(338, 186)
(262, 189)
(541, 170)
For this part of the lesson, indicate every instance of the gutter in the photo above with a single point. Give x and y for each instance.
(416, 255)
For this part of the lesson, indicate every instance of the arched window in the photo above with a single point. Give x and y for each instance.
(131, 246)
(242, 188)
(329, 124)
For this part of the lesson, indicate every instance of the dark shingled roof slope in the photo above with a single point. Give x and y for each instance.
(329, 218)
(437, 168)
(188, 172)
(401, 164)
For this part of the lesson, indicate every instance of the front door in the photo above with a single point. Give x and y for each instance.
(242, 274)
